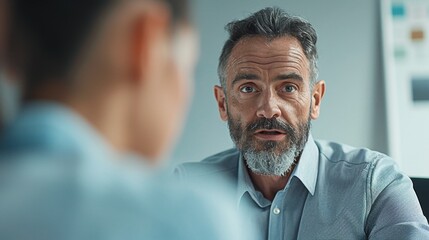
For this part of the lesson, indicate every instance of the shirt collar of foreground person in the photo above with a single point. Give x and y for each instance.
(289, 186)
(101, 79)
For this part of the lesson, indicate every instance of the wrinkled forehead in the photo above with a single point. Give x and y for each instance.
(268, 53)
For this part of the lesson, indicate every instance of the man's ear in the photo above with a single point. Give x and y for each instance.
(221, 102)
(149, 30)
(317, 96)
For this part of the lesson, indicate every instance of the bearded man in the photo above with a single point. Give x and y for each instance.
(288, 185)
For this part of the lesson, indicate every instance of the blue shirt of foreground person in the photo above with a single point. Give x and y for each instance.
(288, 185)
(102, 80)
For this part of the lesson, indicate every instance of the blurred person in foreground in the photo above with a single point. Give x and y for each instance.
(105, 89)
(4, 18)
(288, 185)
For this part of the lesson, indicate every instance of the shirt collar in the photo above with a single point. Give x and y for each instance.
(306, 171)
(244, 182)
(66, 132)
(307, 168)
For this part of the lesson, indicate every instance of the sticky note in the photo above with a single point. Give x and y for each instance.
(400, 53)
(420, 88)
(417, 35)
(398, 10)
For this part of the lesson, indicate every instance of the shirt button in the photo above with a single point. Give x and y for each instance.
(276, 211)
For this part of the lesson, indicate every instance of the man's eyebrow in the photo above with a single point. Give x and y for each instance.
(294, 76)
(245, 76)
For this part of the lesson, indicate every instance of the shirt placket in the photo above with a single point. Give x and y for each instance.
(275, 228)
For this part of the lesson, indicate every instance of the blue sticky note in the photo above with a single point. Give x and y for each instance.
(398, 10)
(420, 88)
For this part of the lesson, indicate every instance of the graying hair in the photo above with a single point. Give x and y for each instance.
(272, 23)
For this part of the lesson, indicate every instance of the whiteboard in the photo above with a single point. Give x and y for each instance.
(405, 33)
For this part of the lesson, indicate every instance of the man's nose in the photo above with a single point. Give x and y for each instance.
(269, 106)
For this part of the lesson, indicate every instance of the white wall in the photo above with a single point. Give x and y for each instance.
(349, 45)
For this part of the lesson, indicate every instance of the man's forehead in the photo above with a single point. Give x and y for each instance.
(265, 45)
(283, 51)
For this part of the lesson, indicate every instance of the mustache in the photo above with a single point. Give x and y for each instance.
(270, 123)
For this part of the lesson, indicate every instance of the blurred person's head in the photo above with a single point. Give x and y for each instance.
(4, 18)
(4, 24)
(125, 65)
(269, 91)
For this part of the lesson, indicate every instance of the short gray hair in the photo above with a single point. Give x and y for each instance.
(271, 22)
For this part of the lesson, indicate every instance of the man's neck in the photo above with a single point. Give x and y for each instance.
(269, 185)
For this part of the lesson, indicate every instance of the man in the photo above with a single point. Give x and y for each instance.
(105, 83)
(288, 185)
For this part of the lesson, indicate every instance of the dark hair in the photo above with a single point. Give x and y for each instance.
(47, 35)
(271, 22)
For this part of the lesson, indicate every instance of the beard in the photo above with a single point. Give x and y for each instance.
(269, 157)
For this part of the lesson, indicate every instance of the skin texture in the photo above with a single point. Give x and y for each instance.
(138, 84)
(269, 79)
(131, 79)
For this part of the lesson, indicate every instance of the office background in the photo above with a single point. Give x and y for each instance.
(350, 61)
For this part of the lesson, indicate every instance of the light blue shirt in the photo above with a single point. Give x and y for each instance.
(335, 192)
(59, 179)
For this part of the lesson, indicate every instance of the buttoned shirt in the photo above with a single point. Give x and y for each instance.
(335, 192)
(60, 179)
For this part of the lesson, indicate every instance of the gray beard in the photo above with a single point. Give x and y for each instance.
(270, 163)
(270, 157)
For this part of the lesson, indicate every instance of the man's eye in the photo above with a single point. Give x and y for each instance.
(247, 89)
(290, 88)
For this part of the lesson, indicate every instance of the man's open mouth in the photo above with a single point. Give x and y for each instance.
(270, 134)
(269, 131)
